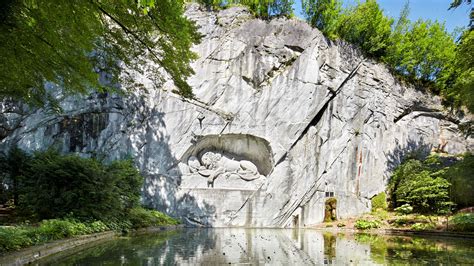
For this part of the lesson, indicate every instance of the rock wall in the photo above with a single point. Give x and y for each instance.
(289, 118)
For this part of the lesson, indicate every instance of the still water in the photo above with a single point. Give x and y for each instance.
(270, 246)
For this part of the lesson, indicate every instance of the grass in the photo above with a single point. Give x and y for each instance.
(381, 219)
(16, 237)
(13, 238)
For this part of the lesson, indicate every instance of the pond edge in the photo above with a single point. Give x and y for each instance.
(31, 254)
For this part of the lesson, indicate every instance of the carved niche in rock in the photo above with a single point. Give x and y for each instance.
(213, 165)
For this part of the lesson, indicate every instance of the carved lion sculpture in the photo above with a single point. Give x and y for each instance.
(215, 164)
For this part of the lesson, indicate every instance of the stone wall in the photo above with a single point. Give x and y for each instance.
(314, 117)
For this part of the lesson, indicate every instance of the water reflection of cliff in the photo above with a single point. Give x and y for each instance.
(269, 246)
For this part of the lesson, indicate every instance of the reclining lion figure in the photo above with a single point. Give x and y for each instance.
(215, 164)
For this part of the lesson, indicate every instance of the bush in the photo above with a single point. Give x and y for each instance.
(403, 221)
(379, 201)
(463, 222)
(404, 209)
(140, 217)
(14, 238)
(362, 224)
(461, 176)
(56, 186)
(97, 227)
(381, 214)
(422, 226)
(422, 185)
(58, 229)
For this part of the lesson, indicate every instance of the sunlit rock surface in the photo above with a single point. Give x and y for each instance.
(301, 117)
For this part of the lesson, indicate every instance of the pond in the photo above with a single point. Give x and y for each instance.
(270, 246)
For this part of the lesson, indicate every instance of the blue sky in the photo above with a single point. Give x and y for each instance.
(426, 9)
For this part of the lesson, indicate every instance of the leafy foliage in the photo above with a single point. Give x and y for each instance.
(57, 186)
(379, 201)
(425, 193)
(65, 43)
(12, 171)
(366, 26)
(461, 176)
(140, 217)
(422, 226)
(404, 209)
(422, 51)
(431, 186)
(457, 3)
(422, 185)
(14, 238)
(323, 14)
(463, 222)
(460, 77)
(362, 224)
(264, 9)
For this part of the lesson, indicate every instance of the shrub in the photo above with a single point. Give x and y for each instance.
(422, 185)
(140, 217)
(362, 224)
(461, 177)
(463, 222)
(12, 238)
(58, 229)
(422, 226)
(97, 227)
(57, 186)
(399, 222)
(379, 201)
(404, 209)
(381, 214)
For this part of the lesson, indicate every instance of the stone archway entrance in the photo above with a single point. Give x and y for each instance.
(330, 210)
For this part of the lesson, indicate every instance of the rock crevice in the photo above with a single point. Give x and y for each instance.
(288, 117)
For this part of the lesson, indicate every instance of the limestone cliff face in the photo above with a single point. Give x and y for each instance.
(282, 119)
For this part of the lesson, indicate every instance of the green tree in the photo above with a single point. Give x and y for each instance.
(406, 170)
(422, 51)
(57, 186)
(459, 88)
(211, 4)
(367, 26)
(398, 44)
(264, 9)
(281, 8)
(421, 184)
(457, 3)
(323, 14)
(68, 43)
(461, 176)
(427, 194)
(12, 172)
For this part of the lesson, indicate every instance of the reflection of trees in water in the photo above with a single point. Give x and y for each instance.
(401, 249)
(129, 250)
(205, 246)
(161, 248)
